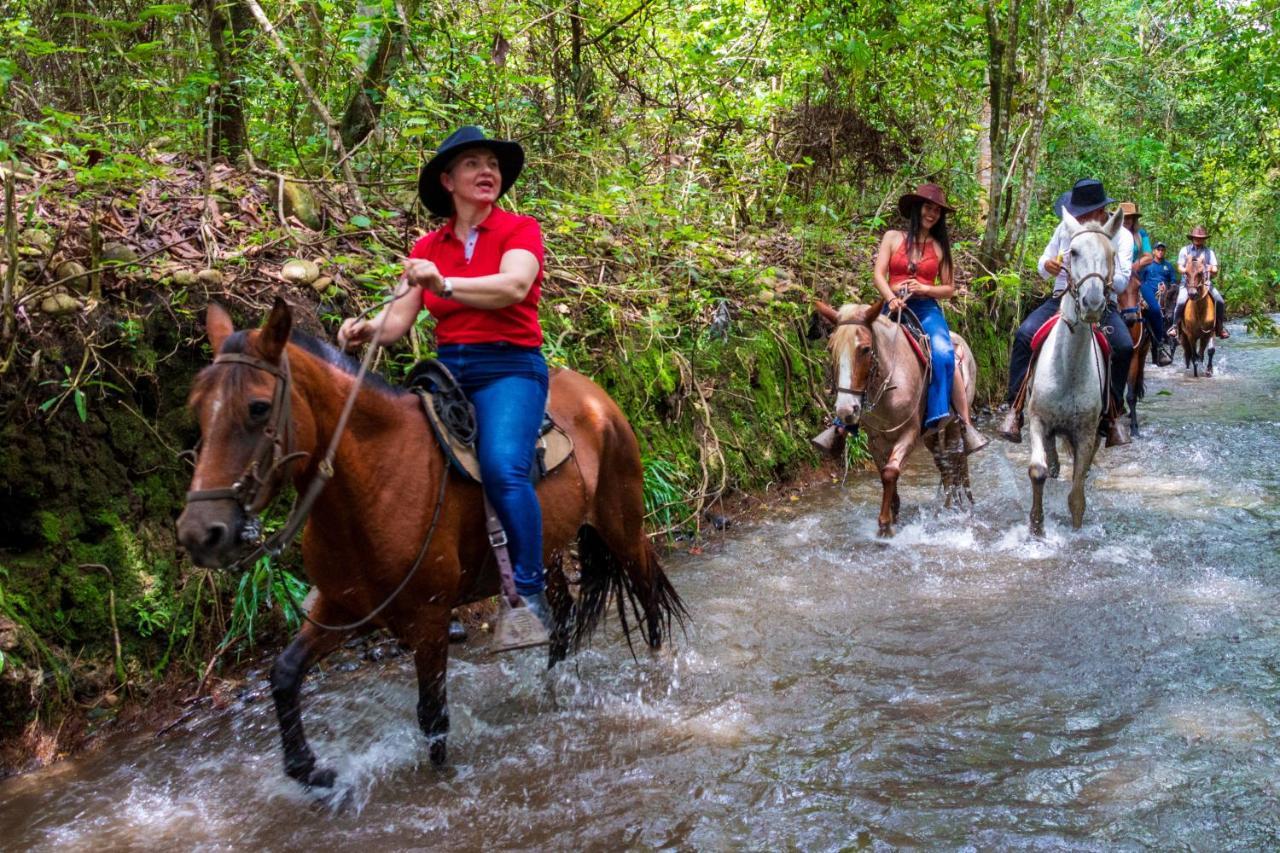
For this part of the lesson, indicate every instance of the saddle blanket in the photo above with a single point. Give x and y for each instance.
(1043, 332)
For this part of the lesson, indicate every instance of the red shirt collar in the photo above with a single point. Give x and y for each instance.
(497, 216)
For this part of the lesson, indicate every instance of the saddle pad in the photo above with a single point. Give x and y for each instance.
(1043, 332)
(916, 348)
(553, 448)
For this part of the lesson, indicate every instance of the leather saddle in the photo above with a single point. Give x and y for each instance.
(453, 421)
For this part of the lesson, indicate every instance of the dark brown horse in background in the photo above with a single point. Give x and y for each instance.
(370, 521)
(1130, 301)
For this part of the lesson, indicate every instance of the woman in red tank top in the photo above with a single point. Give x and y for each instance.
(913, 270)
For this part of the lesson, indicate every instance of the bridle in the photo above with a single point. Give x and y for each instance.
(272, 455)
(1073, 284)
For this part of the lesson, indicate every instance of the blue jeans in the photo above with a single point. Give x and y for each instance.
(508, 386)
(938, 404)
(1155, 320)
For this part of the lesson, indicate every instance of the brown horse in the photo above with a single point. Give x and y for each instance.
(880, 386)
(386, 498)
(1131, 301)
(1199, 319)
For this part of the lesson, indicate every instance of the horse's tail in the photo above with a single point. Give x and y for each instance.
(638, 585)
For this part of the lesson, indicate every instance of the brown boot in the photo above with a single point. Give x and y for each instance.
(1220, 330)
(1011, 427)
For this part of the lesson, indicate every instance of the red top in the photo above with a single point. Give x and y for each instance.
(926, 267)
(461, 324)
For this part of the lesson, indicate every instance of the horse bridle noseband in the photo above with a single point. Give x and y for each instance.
(270, 457)
(1073, 284)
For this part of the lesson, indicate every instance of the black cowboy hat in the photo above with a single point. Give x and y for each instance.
(923, 193)
(1085, 197)
(433, 194)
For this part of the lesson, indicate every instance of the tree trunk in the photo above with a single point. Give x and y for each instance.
(1002, 73)
(228, 20)
(360, 118)
(1030, 165)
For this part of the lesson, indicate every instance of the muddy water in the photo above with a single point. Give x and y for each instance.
(960, 685)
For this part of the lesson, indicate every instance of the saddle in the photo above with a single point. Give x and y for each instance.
(1038, 339)
(453, 421)
(919, 340)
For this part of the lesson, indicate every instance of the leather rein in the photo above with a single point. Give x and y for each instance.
(1073, 284)
(272, 456)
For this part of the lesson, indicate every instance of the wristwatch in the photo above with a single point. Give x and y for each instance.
(446, 289)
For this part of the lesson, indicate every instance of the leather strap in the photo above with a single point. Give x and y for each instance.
(498, 541)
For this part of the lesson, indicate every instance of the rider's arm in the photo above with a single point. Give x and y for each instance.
(1213, 262)
(510, 285)
(1182, 261)
(1124, 261)
(880, 273)
(399, 315)
(1052, 252)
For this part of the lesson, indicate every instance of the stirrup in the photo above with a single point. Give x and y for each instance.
(973, 440)
(518, 628)
(1011, 427)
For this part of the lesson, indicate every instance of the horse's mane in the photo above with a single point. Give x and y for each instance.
(329, 354)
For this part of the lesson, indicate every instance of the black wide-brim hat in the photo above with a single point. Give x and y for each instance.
(1085, 197)
(433, 194)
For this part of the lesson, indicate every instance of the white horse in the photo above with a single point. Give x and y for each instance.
(1065, 397)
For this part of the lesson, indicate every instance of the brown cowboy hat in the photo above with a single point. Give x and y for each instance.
(1198, 231)
(1128, 208)
(923, 193)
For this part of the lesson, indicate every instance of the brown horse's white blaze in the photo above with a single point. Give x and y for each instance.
(368, 524)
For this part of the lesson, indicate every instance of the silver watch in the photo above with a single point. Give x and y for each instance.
(446, 289)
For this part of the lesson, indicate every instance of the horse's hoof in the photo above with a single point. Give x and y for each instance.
(457, 631)
(322, 777)
(438, 751)
(885, 531)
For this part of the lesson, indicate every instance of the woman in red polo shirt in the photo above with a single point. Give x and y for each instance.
(480, 276)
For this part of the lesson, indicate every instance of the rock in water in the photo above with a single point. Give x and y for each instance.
(74, 274)
(299, 271)
(300, 203)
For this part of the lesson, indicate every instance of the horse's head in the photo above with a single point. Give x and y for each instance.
(1197, 273)
(852, 348)
(1090, 261)
(242, 402)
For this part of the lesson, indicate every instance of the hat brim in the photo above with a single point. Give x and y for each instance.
(1080, 210)
(1197, 236)
(437, 199)
(906, 202)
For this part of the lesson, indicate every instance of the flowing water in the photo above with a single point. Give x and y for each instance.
(962, 685)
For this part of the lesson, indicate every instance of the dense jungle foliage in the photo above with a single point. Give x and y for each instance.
(701, 170)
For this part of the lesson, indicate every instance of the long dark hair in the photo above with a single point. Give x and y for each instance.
(937, 232)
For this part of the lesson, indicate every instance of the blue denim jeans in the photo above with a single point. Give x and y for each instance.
(929, 313)
(508, 386)
(1154, 318)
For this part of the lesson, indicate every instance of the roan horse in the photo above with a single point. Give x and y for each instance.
(1069, 379)
(880, 386)
(271, 401)
(1198, 320)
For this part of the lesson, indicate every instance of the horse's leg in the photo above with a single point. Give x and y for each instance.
(888, 500)
(431, 658)
(287, 673)
(1079, 471)
(1213, 348)
(1037, 471)
(1135, 381)
(1053, 467)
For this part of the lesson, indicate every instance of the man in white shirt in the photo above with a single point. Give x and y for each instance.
(1197, 249)
(1087, 202)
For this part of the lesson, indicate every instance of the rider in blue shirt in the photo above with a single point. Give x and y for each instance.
(1157, 276)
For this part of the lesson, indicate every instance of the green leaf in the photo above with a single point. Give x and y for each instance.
(82, 408)
(361, 221)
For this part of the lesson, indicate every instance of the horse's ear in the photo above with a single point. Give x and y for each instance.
(1073, 224)
(1113, 224)
(218, 325)
(876, 309)
(827, 313)
(275, 332)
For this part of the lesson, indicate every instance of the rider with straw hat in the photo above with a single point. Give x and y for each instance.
(1197, 249)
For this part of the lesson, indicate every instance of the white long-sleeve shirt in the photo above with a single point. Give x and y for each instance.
(1060, 245)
